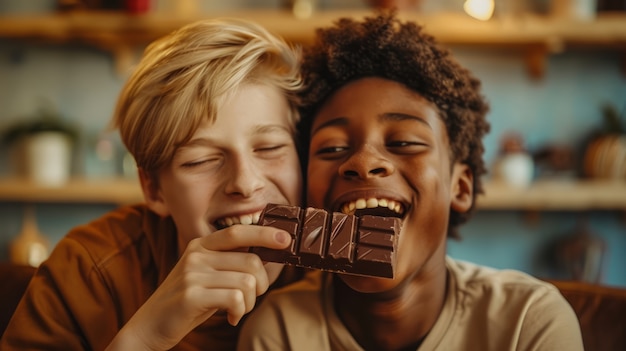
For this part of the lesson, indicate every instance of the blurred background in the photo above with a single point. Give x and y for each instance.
(554, 72)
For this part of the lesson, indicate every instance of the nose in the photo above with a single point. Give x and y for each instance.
(244, 179)
(366, 162)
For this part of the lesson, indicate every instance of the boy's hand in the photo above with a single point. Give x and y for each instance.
(209, 276)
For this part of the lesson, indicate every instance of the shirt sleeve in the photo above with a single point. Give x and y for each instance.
(550, 324)
(67, 306)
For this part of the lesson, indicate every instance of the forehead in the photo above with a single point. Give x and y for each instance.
(253, 109)
(372, 98)
(253, 104)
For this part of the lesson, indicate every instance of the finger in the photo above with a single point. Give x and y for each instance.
(229, 300)
(238, 236)
(235, 291)
(228, 267)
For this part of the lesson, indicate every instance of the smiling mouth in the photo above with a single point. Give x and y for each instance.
(250, 218)
(374, 206)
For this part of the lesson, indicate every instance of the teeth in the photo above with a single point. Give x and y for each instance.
(247, 219)
(255, 217)
(360, 204)
(350, 207)
(252, 218)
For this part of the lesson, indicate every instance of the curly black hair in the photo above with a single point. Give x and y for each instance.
(383, 46)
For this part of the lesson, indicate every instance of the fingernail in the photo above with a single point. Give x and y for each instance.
(282, 237)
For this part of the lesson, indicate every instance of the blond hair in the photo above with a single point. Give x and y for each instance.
(183, 77)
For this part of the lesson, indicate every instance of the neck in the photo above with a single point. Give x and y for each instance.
(393, 320)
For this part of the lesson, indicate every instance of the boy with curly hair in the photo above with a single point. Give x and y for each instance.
(394, 126)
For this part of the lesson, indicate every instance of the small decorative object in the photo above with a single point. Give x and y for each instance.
(574, 9)
(514, 165)
(302, 9)
(397, 4)
(137, 6)
(42, 148)
(555, 161)
(30, 247)
(581, 254)
(605, 154)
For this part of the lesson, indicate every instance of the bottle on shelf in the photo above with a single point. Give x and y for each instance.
(30, 247)
(514, 165)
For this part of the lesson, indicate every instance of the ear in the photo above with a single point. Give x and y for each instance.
(462, 188)
(152, 193)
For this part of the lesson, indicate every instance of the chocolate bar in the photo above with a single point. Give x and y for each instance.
(334, 242)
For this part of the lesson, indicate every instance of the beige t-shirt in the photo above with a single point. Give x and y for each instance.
(485, 309)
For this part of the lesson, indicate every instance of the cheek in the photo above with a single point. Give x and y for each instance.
(192, 196)
(433, 204)
(425, 229)
(188, 206)
(288, 178)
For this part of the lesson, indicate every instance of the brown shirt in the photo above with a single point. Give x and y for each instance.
(95, 279)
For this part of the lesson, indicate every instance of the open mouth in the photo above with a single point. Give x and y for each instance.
(375, 207)
(372, 206)
(250, 218)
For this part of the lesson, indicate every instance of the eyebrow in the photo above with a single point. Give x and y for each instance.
(391, 116)
(397, 116)
(258, 130)
(339, 121)
(271, 128)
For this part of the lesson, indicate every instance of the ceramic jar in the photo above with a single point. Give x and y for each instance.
(515, 169)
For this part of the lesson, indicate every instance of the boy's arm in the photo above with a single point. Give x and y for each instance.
(209, 276)
(54, 313)
(70, 306)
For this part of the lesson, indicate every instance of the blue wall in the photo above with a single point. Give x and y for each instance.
(561, 108)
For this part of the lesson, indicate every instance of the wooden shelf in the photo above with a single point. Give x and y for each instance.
(121, 33)
(541, 196)
(545, 195)
(90, 191)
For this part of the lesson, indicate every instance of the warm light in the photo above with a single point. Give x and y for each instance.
(479, 9)
(303, 8)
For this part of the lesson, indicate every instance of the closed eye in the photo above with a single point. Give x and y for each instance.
(331, 150)
(272, 151)
(401, 143)
(270, 148)
(409, 147)
(205, 162)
